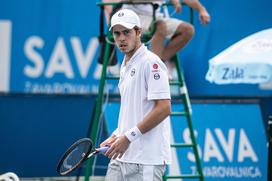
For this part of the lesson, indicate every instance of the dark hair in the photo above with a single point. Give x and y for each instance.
(136, 28)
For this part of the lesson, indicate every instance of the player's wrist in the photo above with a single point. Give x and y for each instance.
(133, 134)
(201, 9)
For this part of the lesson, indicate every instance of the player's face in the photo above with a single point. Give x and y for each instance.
(127, 40)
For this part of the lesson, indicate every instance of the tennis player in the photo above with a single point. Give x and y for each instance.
(140, 146)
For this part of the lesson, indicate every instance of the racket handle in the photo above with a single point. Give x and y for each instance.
(103, 150)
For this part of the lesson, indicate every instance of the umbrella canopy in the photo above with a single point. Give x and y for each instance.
(247, 61)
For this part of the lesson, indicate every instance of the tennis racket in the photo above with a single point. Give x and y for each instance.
(76, 154)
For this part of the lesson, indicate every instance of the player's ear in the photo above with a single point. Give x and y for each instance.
(138, 31)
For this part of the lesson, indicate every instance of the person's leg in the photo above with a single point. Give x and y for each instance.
(145, 22)
(153, 172)
(132, 171)
(114, 172)
(183, 34)
(158, 172)
(139, 172)
(157, 42)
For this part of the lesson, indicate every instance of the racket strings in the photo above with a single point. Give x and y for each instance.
(75, 156)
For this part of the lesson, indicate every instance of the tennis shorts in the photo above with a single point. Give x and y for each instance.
(171, 24)
(121, 171)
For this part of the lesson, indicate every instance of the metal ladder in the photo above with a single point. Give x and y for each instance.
(184, 96)
(180, 82)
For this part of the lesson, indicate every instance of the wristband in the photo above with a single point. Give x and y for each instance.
(133, 134)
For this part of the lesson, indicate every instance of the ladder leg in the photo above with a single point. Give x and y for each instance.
(188, 111)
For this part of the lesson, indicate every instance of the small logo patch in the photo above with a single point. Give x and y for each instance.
(133, 133)
(157, 76)
(155, 66)
(132, 72)
(120, 14)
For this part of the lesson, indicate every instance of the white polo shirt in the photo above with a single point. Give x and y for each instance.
(144, 79)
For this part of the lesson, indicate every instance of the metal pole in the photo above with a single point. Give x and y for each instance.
(270, 148)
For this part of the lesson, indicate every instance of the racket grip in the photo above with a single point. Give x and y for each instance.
(103, 150)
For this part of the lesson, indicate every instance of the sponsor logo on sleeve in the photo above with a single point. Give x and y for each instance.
(132, 73)
(155, 68)
(157, 76)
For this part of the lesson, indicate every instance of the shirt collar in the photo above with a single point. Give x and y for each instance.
(135, 55)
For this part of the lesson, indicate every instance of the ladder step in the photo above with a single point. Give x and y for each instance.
(112, 77)
(183, 176)
(179, 114)
(182, 145)
(174, 82)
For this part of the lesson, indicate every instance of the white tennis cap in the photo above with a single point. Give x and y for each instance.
(126, 18)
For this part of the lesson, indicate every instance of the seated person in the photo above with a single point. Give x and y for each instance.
(178, 32)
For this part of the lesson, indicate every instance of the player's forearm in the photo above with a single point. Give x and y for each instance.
(161, 110)
(195, 4)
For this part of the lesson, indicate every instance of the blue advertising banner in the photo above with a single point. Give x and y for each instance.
(49, 46)
(231, 138)
(52, 46)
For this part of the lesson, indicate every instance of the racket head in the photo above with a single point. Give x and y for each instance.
(74, 156)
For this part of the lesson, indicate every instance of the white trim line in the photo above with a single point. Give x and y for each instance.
(5, 47)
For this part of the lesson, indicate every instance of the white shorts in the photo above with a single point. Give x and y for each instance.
(121, 171)
(171, 24)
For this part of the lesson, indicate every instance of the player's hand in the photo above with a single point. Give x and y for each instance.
(118, 148)
(108, 141)
(204, 17)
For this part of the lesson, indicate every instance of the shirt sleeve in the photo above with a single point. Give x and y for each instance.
(157, 81)
(115, 132)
